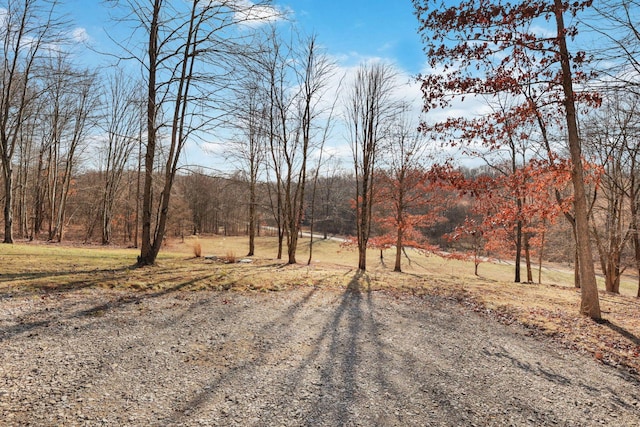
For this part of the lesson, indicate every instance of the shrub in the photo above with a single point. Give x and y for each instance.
(231, 257)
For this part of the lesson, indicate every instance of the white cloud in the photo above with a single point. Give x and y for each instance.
(387, 47)
(213, 148)
(250, 14)
(80, 35)
(543, 32)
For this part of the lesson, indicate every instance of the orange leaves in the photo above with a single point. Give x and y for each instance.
(524, 198)
(493, 48)
(407, 202)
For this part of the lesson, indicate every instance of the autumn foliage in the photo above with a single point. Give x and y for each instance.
(406, 204)
(497, 50)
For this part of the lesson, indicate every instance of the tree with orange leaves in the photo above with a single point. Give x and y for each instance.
(408, 200)
(408, 196)
(485, 47)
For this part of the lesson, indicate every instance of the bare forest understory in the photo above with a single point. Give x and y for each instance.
(304, 356)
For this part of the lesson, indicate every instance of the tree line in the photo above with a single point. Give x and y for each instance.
(97, 152)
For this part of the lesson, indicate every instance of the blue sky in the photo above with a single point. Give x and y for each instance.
(356, 29)
(351, 30)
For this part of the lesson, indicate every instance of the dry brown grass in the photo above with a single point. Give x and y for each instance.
(550, 309)
(230, 257)
(197, 249)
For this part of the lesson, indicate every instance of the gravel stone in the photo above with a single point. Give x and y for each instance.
(300, 357)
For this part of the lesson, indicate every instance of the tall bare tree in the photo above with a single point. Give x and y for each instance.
(83, 120)
(188, 63)
(121, 123)
(370, 107)
(72, 97)
(250, 145)
(296, 87)
(29, 138)
(274, 65)
(313, 75)
(27, 31)
(611, 136)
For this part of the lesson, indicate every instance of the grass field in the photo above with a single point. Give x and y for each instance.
(550, 309)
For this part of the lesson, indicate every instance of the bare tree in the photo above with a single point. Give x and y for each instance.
(29, 136)
(274, 64)
(188, 63)
(71, 98)
(28, 29)
(249, 146)
(296, 86)
(616, 24)
(370, 107)
(312, 78)
(121, 124)
(611, 137)
(405, 162)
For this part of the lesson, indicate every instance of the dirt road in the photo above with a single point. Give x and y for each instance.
(302, 357)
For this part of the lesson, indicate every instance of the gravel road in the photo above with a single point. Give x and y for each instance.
(301, 357)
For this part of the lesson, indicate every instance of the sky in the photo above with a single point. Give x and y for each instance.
(357, 29)
(351, 31)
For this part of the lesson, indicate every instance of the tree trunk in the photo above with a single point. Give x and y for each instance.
(252, 217)
(23, 178)
(635, 202)
(362, 218)
(590, 303)
(137, 214)
(362, 258)
(66, 182)
(8, 203)
(38, 209)
(106, 223)
(280, 242)
(612, 274)
(518, 250)
(147, 255)
(636, 249)
(310, 242)
(527, 257)
(397, 266)
(291, 249)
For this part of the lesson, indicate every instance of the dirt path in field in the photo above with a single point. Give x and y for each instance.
(302, 357)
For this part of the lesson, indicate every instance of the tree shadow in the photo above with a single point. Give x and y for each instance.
(350, 327)
(335, 359)
(622, 331)
(343, 358)
(67, 286)
(121, 301)
(208, 392)
(536, 369)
